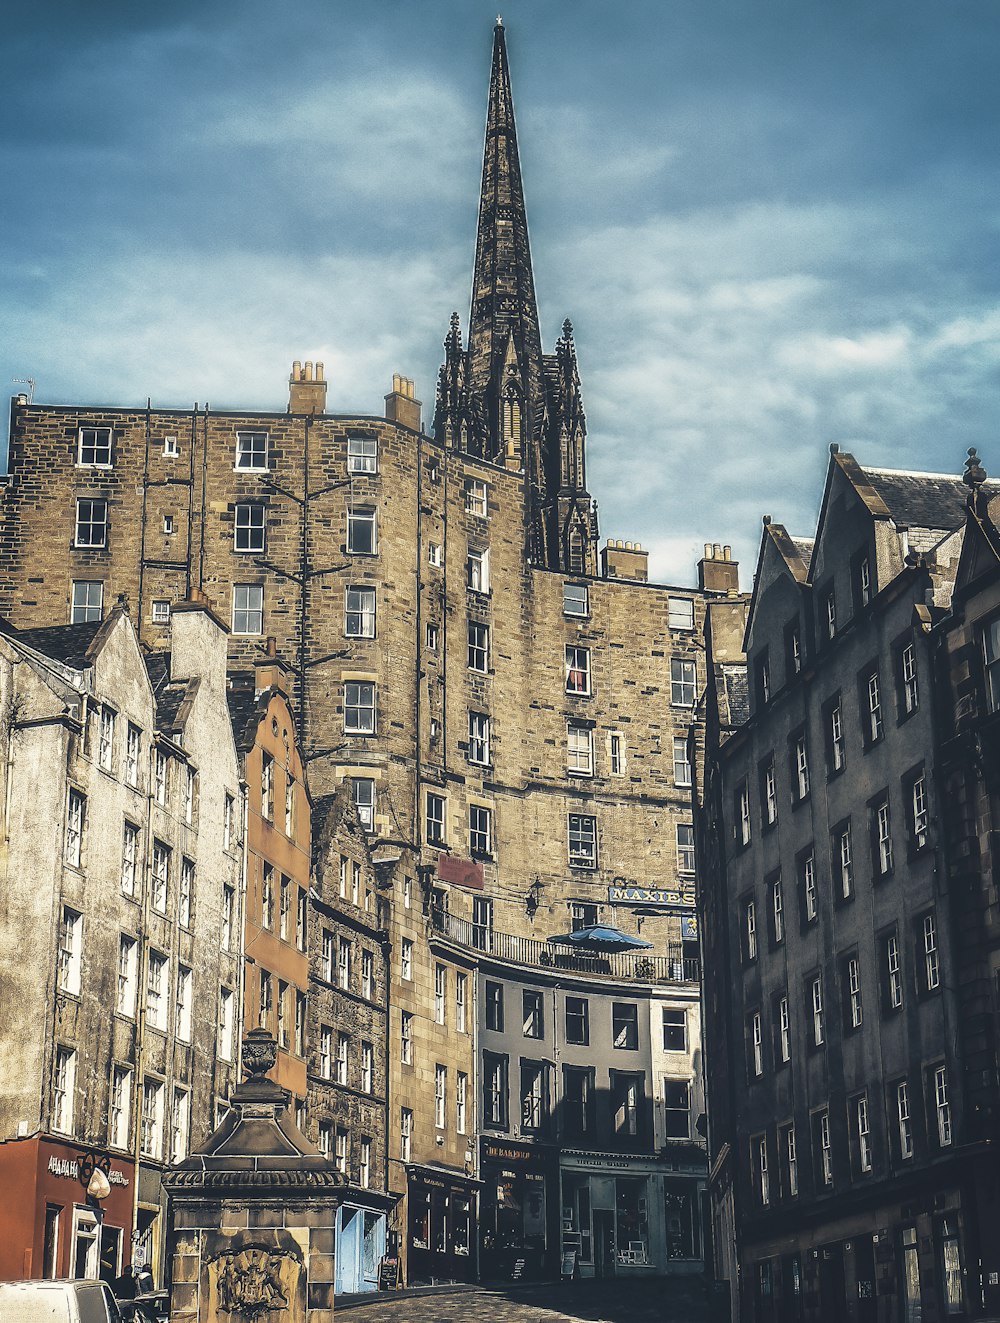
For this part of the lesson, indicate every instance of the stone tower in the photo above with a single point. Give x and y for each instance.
(501, 398)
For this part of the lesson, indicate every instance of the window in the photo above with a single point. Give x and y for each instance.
(365, 1167)
(434, 821)
(833, 726)
(432, 637)
(626, 1101)
(991, 663)
(406, 959)
(582, 914)
(755, 1045)
(800, 768)
(156, 991)
(152, 1118)
(829, 617)
(363, 792)
(578, 1101)
(342, 1058)
(906, 678)
(680, 613)
(762, 677)
(248, 608)
(823, 1148)
(367, 1058)
(616, 753)
(768, 792)
(94, 447)
(578, 1020)
(367, 974)
(88, 601)
(340, 1149)
(160, 876)
(903, 1121)
(674, 1030)
(362, 531)
(133, 749)
(758, 1154)
(495, 1090)
(742, 814)
(324, 1138)
(183, 1004)
(685, 847)
(915, 791)
(434, 556)
(248, 527)
(120, 1107)
(480, 830)
(534, 1096)
(359, 707)
(325, 1051)
(266, 1000)
(494, 1007)
(161, 610)
(784, 1028)
(625, 1025)
(70, 956)
(345, 951)
(282, 1034)
(168, 523)
(816, 1010)
(440, 1097)
(788, 1149)
(185, 893)
(479, 738)
(228, 908)
(226, 1024)
(577, 670)
(532, 1014)
(851, 976)
(582, 841)
(251, 451)
(461, 1101)
(360, 613)
(128, 965)
(793, 650)
(862, 1133)
(475, 498)
(682, 763)
(843, 860)
(580, 750)
(362, 454)
(881, 838)
(749, 930)
(861, 575)
(683, 681)
(479, 646)
(76, 816)
(477, 570)
(931, 980)
(576, 599)
(892, 978)
(677, 1108)
(63, 1090)
(440, 993)
(171, 450)
(91, 523)
(942, 1107)
(777, 913)
(871, 707)
(189, 794)
(180, 1122)
(161, 776)
(406, 1038)
(461, 999)
(807, 866)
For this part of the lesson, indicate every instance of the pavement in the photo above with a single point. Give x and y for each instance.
(664, 1300)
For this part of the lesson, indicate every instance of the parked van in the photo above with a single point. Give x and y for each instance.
(57, 1302)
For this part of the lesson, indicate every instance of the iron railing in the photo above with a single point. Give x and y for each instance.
(629, 966)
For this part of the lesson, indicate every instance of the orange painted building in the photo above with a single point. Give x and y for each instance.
(278, 856)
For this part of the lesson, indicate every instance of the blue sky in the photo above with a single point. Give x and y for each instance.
(774, 223)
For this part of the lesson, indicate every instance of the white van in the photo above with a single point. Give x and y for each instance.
(57, 1302)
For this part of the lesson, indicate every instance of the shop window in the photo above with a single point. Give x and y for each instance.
(950, 1258)
(682, 1220)
(631, 1220)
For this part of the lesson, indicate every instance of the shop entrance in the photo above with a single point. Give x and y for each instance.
(360, 1246)
(85, 1246)
(604, 1242)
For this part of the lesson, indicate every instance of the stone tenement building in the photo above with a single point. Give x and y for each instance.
(491, 691)
(846, 903)
(120, 933)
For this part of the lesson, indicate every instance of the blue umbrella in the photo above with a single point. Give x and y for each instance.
(601, 937)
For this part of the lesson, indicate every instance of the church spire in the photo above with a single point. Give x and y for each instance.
(505, 353)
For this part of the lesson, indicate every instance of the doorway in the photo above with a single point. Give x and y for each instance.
(85, 1247)
(604, 1242)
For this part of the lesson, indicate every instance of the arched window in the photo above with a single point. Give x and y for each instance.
(510, 418)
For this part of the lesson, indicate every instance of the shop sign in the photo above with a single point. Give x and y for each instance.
(689, 928)
(610, 1161)
(624, 892)
(70, 1168)
(460, 872)
(498, 1152)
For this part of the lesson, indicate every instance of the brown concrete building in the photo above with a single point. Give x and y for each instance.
(120, 933)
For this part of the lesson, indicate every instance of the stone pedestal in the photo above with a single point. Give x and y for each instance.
(253, 1213)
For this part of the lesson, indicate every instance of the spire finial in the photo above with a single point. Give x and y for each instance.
(499, 21)
(974, 475)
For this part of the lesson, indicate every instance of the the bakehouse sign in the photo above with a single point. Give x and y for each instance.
(626, 893)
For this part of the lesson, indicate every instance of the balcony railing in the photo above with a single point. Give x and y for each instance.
(629, 966)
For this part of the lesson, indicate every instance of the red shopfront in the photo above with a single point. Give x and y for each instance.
(49, 1225)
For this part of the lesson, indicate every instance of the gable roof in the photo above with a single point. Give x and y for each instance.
(68, 644)
(793, 552)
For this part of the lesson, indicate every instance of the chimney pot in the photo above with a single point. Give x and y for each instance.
(401, 406)
(727, 553)
(306, 393)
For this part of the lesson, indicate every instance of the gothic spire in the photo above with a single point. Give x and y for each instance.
(503, 317)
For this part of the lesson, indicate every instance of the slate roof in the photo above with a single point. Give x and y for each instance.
(244, 713)
(923, 500)
(67, 644)
(804, 546)
(167, 696)
(737, 693)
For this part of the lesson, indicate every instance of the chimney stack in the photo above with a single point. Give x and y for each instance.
(400, 404)
(306, 389)
(717, 571)
(624, 560)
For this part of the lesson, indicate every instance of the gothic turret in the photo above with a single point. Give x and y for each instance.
(501, 398)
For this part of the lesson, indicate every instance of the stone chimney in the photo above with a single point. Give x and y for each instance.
(624, 560)
(400, 404)
(270, 670)
(717, 571)
(198, 643)
(306, 388)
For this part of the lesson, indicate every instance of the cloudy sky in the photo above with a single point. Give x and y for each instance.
(774, 223)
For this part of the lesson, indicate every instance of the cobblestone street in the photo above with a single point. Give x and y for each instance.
(676, 1301)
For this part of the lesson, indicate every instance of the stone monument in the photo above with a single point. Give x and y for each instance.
(253, 1213)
